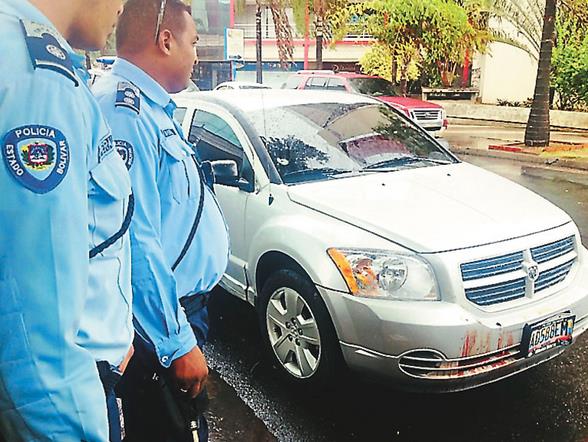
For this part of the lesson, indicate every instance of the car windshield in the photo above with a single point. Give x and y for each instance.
(374, 87)
(319, 141)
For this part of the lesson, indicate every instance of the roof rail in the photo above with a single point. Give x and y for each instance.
(315, 71)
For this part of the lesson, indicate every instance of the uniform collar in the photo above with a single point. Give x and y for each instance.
(23, 9)
(148, 86)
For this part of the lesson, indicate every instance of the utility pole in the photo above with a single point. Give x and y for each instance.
(306, 33)
(258, 66)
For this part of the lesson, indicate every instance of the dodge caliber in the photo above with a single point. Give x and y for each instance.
(361, 242)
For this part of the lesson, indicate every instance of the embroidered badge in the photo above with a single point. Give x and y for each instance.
(126, 152)
(168, 132)
(105, 147)
(128, 95)
(46, 49)
(37, 156)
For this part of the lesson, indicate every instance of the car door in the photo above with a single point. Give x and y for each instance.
(217, 135)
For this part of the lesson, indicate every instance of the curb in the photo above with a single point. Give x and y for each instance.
(563, 163)
(571, 171)
(557, 174)
(488, 112)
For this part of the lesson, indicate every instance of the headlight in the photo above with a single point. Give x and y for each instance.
(443, 114)
(386, 275)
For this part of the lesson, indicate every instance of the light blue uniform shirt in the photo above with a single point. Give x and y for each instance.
(63, 191)
(169, 261)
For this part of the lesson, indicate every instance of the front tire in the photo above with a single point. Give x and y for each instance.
(297, 329)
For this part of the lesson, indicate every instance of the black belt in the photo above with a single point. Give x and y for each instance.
(194, 303)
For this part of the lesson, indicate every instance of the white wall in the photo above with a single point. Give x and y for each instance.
(506, 73)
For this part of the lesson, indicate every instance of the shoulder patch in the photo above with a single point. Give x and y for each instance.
(128, 95)
(46, 49)
(36, 156)
(168, 132)
(105, 147)
(126, 152)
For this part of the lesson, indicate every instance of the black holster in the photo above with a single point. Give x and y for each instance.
(156, 406)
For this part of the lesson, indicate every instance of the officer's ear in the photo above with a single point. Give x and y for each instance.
(164, 42)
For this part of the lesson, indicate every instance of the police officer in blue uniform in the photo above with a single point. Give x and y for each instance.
(179, 238)
(64, 255)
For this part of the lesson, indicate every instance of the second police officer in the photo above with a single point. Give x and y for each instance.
(179, 238)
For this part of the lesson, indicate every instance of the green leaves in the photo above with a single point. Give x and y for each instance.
(414, 31)
(569, 75)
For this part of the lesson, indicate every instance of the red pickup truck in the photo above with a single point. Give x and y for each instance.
(429, 116)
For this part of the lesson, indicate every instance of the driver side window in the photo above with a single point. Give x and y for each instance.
(214, 139)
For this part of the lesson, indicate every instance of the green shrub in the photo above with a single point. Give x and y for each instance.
(569, 74)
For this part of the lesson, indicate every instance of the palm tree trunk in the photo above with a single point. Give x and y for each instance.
(538, 130)
(319, 42)
(258, 66)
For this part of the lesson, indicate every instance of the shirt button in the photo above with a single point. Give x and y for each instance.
(164, 359)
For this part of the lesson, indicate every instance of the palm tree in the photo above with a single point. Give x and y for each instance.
(538, 129)
(282, 28)
(321, 12)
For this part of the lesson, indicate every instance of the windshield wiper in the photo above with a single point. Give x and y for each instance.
(320, 172)
(402, 161)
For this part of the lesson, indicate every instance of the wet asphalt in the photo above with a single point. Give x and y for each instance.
(546, 403)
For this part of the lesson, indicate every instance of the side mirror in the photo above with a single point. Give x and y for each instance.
(225, 172)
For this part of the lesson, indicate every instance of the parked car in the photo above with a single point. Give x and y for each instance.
(362, 242)
(430, 116)
(232, 85)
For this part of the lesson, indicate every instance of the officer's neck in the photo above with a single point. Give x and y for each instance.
(155, 67)
(61, 13)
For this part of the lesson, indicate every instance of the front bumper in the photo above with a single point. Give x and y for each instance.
(466, 348)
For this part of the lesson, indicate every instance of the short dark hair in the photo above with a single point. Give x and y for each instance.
(136, 25)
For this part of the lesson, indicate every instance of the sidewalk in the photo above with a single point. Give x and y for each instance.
(475, 139)
(506, 114)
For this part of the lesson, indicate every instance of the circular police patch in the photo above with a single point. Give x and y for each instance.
(125, 150)
(37, 156)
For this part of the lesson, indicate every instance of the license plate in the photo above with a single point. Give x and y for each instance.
(547, 334)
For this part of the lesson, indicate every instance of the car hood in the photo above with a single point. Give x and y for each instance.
(433, 209)
(410, 103)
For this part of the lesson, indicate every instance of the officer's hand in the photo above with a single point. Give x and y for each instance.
(190, 372)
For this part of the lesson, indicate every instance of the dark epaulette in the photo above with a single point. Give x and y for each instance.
(46, 49)
(128, 95)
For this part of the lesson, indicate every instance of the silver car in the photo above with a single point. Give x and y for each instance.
(361, 241)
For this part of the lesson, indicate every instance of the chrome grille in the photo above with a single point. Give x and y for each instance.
(495, 293)
(492, 266)
(427, 114)
(553, 276)
(553, 250)
(430, 364)
(516, 275)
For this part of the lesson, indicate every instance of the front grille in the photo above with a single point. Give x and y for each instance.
(427, 364)
(491, 267)
(427, 114)
(508, 277)
(553, 250)
(495, 293)
(553, 276)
